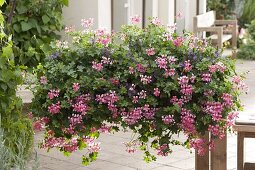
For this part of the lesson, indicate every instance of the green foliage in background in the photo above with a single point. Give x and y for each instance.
(248, 12)
(247, 50)
(224, 8)
(33, 24)
(15, 127)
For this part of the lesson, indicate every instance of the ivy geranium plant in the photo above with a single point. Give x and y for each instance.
(151, 81)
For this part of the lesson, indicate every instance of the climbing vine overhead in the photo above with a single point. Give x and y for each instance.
(34, 24)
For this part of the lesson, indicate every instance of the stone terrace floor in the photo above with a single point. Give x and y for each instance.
(114, 157)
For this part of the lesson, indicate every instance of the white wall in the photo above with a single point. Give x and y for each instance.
(79, 9)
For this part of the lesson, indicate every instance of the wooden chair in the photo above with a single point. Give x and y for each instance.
(221, 30)
(245, 128)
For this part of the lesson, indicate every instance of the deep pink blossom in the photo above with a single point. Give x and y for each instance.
(80, 107)
(54, 108)
(206, 77)
(53, 93)
(156, 92)
(140, 68)
(161, 62)
(168, 119)
(178, 41)
(199, 145)
(76, 87)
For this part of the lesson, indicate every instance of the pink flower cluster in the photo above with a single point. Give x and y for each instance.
(188, 121)
(136, 19)
(200, 145)
(231, 118)
(80, 107)
(156, 92)
(136, 114)
(43, 80)
(178, 41)
(168, 119)
(53, 93)
(87, 22)
(145, 79)
(76, 87)
(214, 109)
(163, 150)
(206, 77)
(150, 51)
(227, 100)
(140, 68)
(156, 21)
(187, 66)
(217, 67)
(54, 108)
(94, 147)
(99, 66)
(75, 119)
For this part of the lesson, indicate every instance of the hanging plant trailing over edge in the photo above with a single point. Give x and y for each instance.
(33, 24)
(151, 81)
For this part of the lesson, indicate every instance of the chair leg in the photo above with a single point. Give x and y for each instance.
(240, 151)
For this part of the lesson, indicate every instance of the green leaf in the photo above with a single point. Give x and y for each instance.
(85, 160)
(65, 2)
(17, 28)
(22, 8)
(7, 51)
(2, 2)
(26, 26)
(1, 18)
(45, 19)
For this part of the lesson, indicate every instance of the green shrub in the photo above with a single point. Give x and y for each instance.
(247, 50)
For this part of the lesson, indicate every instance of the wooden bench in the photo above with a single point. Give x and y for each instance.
(245, 128)
(220, 30)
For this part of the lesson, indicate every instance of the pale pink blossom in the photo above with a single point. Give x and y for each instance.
(150, 51)
(87, 22)
(136, 19)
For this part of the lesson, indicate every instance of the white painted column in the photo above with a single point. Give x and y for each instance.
(180, 8)
(166, 11)
(202, 6)
(171, 12)
(190, 12)
(136, 8)
(155, 5)
(104, 14)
